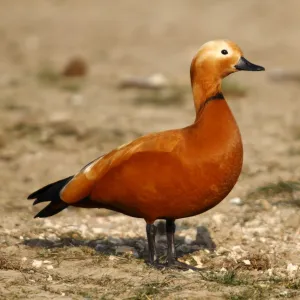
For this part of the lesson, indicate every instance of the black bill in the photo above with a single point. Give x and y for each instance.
(245, 65)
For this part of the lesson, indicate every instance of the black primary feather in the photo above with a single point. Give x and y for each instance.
(50, 193)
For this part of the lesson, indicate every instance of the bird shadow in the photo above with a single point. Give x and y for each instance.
(119, 246)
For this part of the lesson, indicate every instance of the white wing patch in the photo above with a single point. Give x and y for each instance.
(89, 171)
(123, 146)
(88, 168)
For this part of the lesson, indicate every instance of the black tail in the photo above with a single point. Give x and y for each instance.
(50, 193)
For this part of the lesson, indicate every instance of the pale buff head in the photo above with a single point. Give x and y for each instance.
(220, 58)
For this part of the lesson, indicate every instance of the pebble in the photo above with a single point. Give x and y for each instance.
(188, 240)
(50, 267)
(52, 237)
(283, 293)
(154, 81)
(236, 201)
(291, 269)
(270, 272)
(75, 67)
(37, 263)
(47, 262)
(247, 262)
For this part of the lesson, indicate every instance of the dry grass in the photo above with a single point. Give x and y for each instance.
(280, 192)
(9, 263)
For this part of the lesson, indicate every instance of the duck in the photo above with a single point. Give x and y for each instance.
(171, 174)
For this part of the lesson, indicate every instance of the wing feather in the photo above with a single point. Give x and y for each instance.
(82, 184)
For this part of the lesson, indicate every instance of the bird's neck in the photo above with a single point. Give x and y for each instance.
(204, 87)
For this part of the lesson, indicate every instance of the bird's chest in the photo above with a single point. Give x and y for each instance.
(214, 171)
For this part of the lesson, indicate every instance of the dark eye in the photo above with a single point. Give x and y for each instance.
(224, 52)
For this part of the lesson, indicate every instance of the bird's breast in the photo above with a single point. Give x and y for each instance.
(213, 155)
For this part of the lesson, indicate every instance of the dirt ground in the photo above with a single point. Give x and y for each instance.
(51, 126)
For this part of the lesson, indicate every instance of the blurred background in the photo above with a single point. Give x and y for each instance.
(78, 78)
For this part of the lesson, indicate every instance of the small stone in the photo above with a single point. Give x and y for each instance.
(188, 240)
(50, 267)
(47, 262)
(155, 81)
(76, 66)
(37, 263)
(247, 262)
(270, 272)
(266, 204)
(21, 237)
(291, 269)
(236, 201)
(52, 237)
(63, 294)
(24, 258)
(49, 278)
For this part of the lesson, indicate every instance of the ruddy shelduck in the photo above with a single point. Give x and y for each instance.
(171, 174)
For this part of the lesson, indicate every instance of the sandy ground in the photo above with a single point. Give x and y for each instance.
(51, 127)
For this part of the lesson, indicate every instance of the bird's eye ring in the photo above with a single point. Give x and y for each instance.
(224, 52)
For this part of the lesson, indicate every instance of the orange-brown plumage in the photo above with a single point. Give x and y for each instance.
(177, 173)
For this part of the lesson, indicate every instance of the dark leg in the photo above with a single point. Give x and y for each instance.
(151, 232)
(171, 252)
